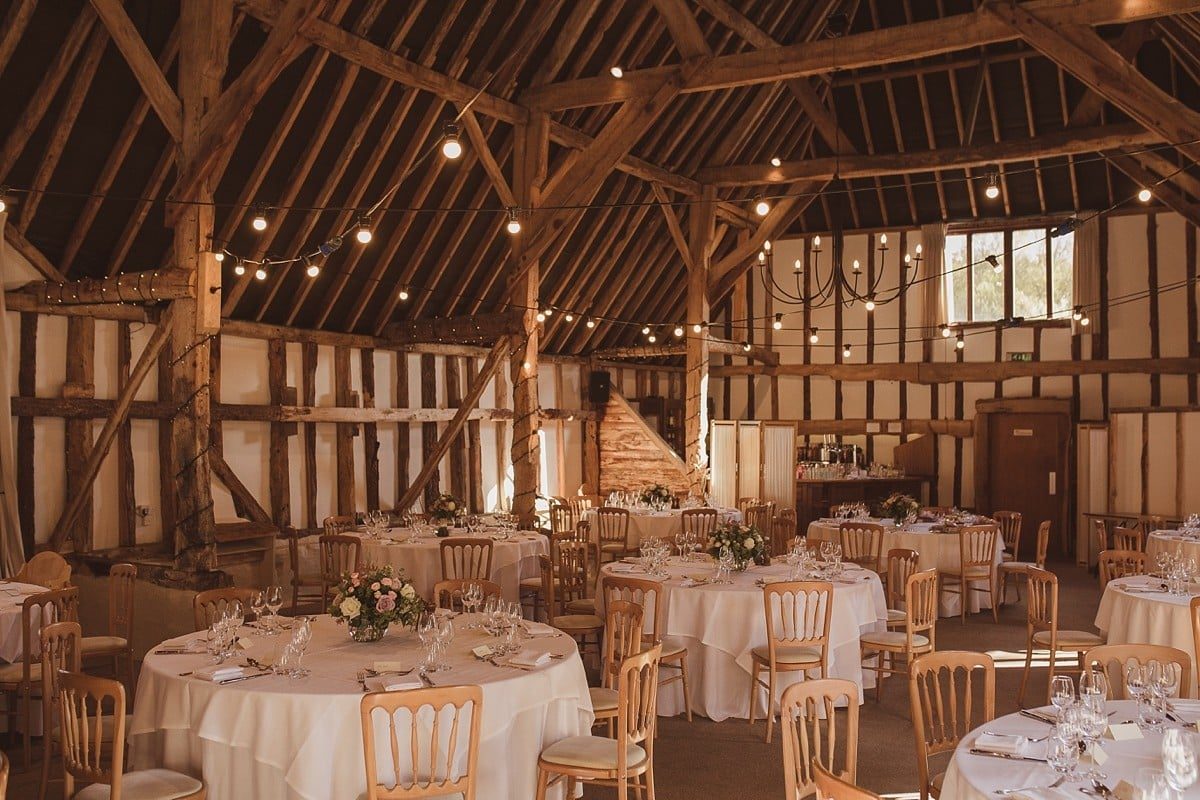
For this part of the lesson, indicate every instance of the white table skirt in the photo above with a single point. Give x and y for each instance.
(1150, 618)
(513, 559)
(274, 737)
(721, 624)
(976, 777)
(658, 524)
(1173, 542)
(935, 550)
(12, 596)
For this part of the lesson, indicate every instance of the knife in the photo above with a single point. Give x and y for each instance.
(1038, 716)
(977, 752)
(244, 678)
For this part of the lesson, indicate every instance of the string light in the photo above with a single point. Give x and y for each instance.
(761, 206)
(997, 267)
(616, 72)
(1084, 321)
(646, 330)
(1145, 195)
(3, 199)
(219, 256)
(451, 147)
(993, 186)
(591, 323)
(513, 225)
(776, 161)
(870, 302)
(259, 222)
(403, 295)
(1077, 314)
(813, 337)
(678, 331)
(845, 351)
(541, 316)
(698, 327)
(569, 317)
(310, 268)
(960, 343)
(364, 230)
(239, 268)
(652, 338)
(548, 311)
(778, 323)
(746, 346)
(945, 331)
(260, 273)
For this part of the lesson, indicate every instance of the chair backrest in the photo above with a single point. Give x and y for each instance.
(810, 732)
(862, 543)
(340, 553)
(643, 591)
(1113, 658)
(562, 518)
(758, 515)
(338, 523)
(1010, 530)
(466, 557)
(83, 703)
(901, 562)
(425, 732)
(831, 787)
(58, 605)
(448, 593)
(921, 605)
(623, 623)
(1100, 534)
(4, 769)
(612, 525)
(977, 546)
(1043, 544)
(637, 704)
(579, 504)
(700, 521)
(1130, 538)
(783, 531)
(1041, 611)
(121, 580)
(744, 503)
(1149, 523)
(950, 693)
(208, 605)
(46, 568)
(798, 613)
(1121, 564)
(572, 560)
(60, 650)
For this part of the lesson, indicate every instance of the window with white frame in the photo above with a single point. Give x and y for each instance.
(1005, 274)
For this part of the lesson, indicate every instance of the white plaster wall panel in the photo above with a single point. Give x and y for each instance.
(1127, 275)
(575, 386)
(546, 386)
(1172, 272)
(968, 473)
(12, 338)
(1091, 404)
(854, 400)
(1056, 344)
(885, 449)
(1128, 391)
(50, 442)
(294, 368)
(1016, 340)
(105, 360)
(945, 479)
(972, 394)
(887, 400)
(1160, 489)
(1174, 390)
(105, 496)
(143, 436)
(247, 452)
(737, 399)
(487, 448)
(573, 464)
(244, 371)
(822, 397)
(1127, 429)
(296, 490)
(919, 398)
(1059, 386)
(326, 469)
(1190, 426)
(51, 372)
(544, 469)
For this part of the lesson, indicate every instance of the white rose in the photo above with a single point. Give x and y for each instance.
(748, 544)
(408, 592)
(350, 608)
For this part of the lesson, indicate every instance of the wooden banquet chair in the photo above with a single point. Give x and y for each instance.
(976, 564)
(798, 615)
(22, 680)
(917, 638)
(578, 505)
(1099, 536)
(1194, 608)
(622, 639)
(1041, 629)
(306, 587)
(1121, 564)
(1112, 659)
(448, 594)
(340, 553)
(47, 569)
(1149, 523)
(577, 626)
(1130, 538)
(647, 594)
(1010, 533)
(612, 532)
(783, 531)
(862, 543)
(831, 787)
(425, 714)
(702, 522)
(576, 555)
(338, 523)
(562, 518)
(758, 515)
(808, 720)
(466, 557)
(4, 769)
(901, 563)
(621, 761)
(208, 605)
(84, 702)
(59, 651)
(1019, 569)
(118, 643)
(744, 503)
(944, 700)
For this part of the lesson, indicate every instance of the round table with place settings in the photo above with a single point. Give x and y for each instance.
(720, 624)
(646, 524)
(12, 596)
(1138, 610)
(272, 737)
(1183, 543)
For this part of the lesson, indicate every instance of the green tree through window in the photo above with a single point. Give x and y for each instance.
(1033, 280)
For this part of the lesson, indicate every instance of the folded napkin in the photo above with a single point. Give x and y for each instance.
(1007, 744)
(393, 684)
(219, 672)
(530, 658)
(1044, 794)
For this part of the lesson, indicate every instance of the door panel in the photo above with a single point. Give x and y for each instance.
(1027, 470)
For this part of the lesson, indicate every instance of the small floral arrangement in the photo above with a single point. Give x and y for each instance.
(899, 507)
(657, 494)
(372, 599)
(446, 508)
(744, 542)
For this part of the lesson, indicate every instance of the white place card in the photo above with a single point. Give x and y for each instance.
(388, 666)
(1095, 754)
(1127, 791)
(1124, 732)
(482, 651)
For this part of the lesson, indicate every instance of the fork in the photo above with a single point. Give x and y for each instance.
(1027, 738)
(362, 679)
(1057, 783)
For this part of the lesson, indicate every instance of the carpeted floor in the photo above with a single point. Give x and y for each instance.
(731, 760)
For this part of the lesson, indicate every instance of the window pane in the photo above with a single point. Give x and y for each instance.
(987, 290)
(1062, 274)
(956, 281)
(1029, 273)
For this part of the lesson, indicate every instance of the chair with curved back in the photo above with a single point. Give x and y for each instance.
(798, 616)
(758, 515)
(901, 563)
(1099, 536)
(118, 643)
(622, 639)
(1019, 569)
(1042, 629)
(466, 557)
(1128, 538)
(1121, 564)
(808, 719)
(429, 718)
(862, 543)
(1113, 658)
(306, 587)
(448, 594)
(976, 564)
(46, 568)
(744, 503)
(573, 556)
(919, 635)
(947, 701)
(831, 787)
(1010, 532)
(612, 532)
(60, 650)
(783, 531)
(562, 518)
(578, 626)
(702, 522)
(1149, 523)
(208, 605)
(578, 505)
(338, 523)
(340, 553)
(1194, 609)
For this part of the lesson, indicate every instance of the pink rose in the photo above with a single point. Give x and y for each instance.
(385, 604)
(375, 586)
(386, 581)
(377, 594)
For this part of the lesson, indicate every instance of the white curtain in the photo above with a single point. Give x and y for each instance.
(933, 246)
(12, 554)
(723, 463)
(779, 465)
(1085, 267)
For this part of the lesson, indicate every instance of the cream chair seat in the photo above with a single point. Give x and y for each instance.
(603, 699)
(896, 616)
(893, 639)
(583, 605)
(99, 644)
(147, 784)
(12, 673)
(786, 654)
(591, 752)
(1068, 638)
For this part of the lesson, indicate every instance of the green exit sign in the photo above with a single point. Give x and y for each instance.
(1022, 356)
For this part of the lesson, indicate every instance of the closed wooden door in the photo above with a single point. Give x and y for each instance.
(1027, 472)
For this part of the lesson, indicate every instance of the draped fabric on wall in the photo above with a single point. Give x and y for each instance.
(933, 245)
(12, 555)
(779, 465)
(1085, 266)
(723, 462)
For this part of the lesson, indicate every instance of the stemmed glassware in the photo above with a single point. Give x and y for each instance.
(1062, 693)
(471, 599)
(1062, 753)
(1180, 750)
(258, 607)
(445, 636)
(427, 632)
(274, 601)
(1093, 721)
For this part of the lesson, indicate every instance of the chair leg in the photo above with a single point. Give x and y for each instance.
(687, 694)
(753, 687)
(962, 596)
(1050, 674)
(47, 755)
(648, 777)
(992, 600)
(770, 702)
(27, 714)
(1025, 674)
(879, 675)
(543, 779)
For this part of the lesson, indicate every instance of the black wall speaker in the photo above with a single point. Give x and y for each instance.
(599, 386)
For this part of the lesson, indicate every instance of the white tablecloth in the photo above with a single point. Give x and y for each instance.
(12, 595)
(1140, 617)
(1173, 542)
(935, 550)
(976, 777)
(659, 524)
(274, 737)
(513, 559)
(721, 624)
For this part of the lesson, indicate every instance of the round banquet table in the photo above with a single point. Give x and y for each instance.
(277, 737)
(514, 557)
(1187, 545)
(721, 624)
(1136, 610)
(12, 596)
(935, 550)
(645, 524)
(976, 777)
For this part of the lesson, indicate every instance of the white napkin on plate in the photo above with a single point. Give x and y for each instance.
(531, 658)
(219, 672)
(1008, 744)
(393, 683)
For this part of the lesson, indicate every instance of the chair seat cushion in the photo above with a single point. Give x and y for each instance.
(789, 654)
(971, 573)
(603, 699)
(90, 645)
(672, 651)
(896, 616)
(584, 605)
(146, 784)
(892, 639)
(535, 584)
(1069, 639)
(613, 547)
(935, 784)
(575, 622)
(15, 673)
(591, 752)
(1017, 566)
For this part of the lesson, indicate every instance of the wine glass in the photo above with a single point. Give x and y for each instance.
(1062, 753)
(1094, 682)
(445, 636)
(1179, 754)
(427, 632)
(1062, 692)
(258, 607)
(274, 603)
(1092, 724)
(300, 639)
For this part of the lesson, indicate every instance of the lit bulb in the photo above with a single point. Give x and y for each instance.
(993, 187)
(312, 270)
(778, 323)
(652, 338)
(1077, 314)
(569, 317)
(260, 274)
(961, 343)
(945, 331)
(767, 245)
(678, 331)
(451, 147)
(541, 316)
(857, 267)
(870, 304)
(3, 199)
(797, 266)
(813, 338)
(762, 257)
(1085, 321)
(548, 312)
(219, 256)
(882, 239)
(259, 223)
(697, 328)
(239, 268)
(846, 351)
(775, 161)
(591, 323)
(816, 242)
(908, 259)
(1145, 195)
(514, 223)
(746, 347)
(997, 267)
(403, 294)
(646, 331)
(527, 366)
(616, 72)
(364, 230)
(762, 207)
(918, 250)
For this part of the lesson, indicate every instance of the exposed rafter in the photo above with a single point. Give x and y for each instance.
(160, 94)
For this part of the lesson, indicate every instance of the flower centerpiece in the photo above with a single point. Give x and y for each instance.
(744, 542)
(900, 507)
(370, 600)
(657, 495)
(444, 511)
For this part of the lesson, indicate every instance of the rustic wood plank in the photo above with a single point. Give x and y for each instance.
(243, 501)
(429, 434)
(474, 454)
(80, 374)
(125, 35)
(403, 430)
(15, 22)
(26, 440)
(279, 473)
(308, 386)
(344, 438)
(458, 453)
(126, 500)
(370, 431)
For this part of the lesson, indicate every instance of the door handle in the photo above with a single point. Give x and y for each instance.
(1053, 483)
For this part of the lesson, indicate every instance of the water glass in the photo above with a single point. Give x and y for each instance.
(1062, 754)
(274, 603)
(427, 632)
(258, 607)
(1094, 683)
(1062, 692)
(1179, 754)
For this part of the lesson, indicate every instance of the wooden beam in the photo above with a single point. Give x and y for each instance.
(970, 371)
(673, 226)
(81, 496)
(344, 397)
(15, 22)
(162, 98)
(152, 286)
(695, 414)
(490, 364)
(18, 242)
(643, 351)
(454, 330)
(685, 31)
(279, 471)
(243, 501)
(1164, 191)
(754, 353)
(486, 160)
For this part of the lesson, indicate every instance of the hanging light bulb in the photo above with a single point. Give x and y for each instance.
(908, 260)
(1145, 195)
(513, 225)
(762, 256)
(569, 317)
(767, 245)
(797, 267)
(918, 251)
(548, 311)
(856, 267)
(678, 331)
(845, 351)
(219, 255)
(259, 222)
(364, 230)
(883, 241)
(310, 268)
(816, 244)
(451, 147)
(992, 191)
(776, 161)
(403, 295)
(870, 302)
(652, 338)
(945, 331)
(541, 316)
(3, 199)
(960, 343)
(616, 72)
(746, 347)
(813, 337)
(646, 330)
(778, 323)
(698, 328)
(1085, 321)
(997, 267)
(1077, 314)
(239, 268)
(260, 273)
(591, 323)
(761, 206)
